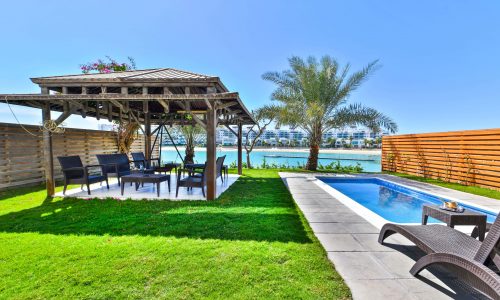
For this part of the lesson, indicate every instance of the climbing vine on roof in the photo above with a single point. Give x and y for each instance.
(108, 65)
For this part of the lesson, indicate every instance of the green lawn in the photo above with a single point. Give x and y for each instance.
(454, 186)
(250, 243)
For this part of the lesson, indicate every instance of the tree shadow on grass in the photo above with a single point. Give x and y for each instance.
(241, 213)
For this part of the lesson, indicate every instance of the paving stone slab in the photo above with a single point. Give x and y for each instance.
(339, 242)
(359, 265)
(385, 289)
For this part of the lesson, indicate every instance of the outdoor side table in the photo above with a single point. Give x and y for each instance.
(467, 217)
(140, 178)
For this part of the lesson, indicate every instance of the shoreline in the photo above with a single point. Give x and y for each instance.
(295, 150)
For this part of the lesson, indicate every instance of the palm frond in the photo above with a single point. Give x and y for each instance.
(312, 93)
(357, 114)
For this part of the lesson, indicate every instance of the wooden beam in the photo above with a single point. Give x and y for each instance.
(68, 111)
(98, 110)
(110, 111)
(240, 151)
(133, 97)
(227, 104)
(48, 155)
(209, 105)
(211, 153)
(166, 108)
(126, 106)
(147, 131)
(84, 109)
(136, 120)
(230, 129)
(195, 117)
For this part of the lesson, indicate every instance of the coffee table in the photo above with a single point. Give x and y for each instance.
(467, 217)
(140, 178)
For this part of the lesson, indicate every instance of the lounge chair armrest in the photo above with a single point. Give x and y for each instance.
(485, 279)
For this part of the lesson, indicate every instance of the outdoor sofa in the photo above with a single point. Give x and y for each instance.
(116, 165)
(465, 256)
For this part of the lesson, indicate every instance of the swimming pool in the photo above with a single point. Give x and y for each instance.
(391, 201)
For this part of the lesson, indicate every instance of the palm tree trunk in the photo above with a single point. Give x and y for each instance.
(189, 158)
(314, 142)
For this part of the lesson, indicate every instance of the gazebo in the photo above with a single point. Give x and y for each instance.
(162, 96)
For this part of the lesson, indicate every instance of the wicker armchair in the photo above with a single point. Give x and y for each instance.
(75, 172)
(149, 164)
(194, 179)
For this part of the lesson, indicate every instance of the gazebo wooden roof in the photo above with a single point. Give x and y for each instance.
(162, 96)
(121, 96)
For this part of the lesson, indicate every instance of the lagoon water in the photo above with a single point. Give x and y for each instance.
(370, 162)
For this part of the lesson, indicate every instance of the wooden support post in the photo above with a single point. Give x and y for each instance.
(110, 112)
(211, 153)
(147, 130)
(240, 150)
(98, 110)
(48, 157)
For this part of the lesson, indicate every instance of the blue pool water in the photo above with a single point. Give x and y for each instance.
(370, 162)
(391, 201)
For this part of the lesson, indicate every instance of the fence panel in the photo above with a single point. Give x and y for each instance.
(470, 157)
(21, 153)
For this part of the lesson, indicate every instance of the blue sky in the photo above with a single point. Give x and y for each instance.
(440, 59)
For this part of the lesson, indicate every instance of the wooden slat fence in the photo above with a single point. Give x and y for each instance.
(469, 157)
(21, 154)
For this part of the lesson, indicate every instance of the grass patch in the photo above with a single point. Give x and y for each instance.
(250, 243)
(454, 186)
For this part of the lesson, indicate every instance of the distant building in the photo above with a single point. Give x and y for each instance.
(350, 137)
(107, 127)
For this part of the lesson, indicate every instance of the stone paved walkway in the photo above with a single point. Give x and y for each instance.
(372, 271)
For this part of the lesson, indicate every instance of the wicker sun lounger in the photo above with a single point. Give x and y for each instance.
(465, 256)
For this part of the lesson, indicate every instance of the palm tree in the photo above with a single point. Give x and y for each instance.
(192, 135)
(313, 97)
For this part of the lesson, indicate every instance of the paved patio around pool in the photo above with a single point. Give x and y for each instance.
(148, 191)
(374, 271)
